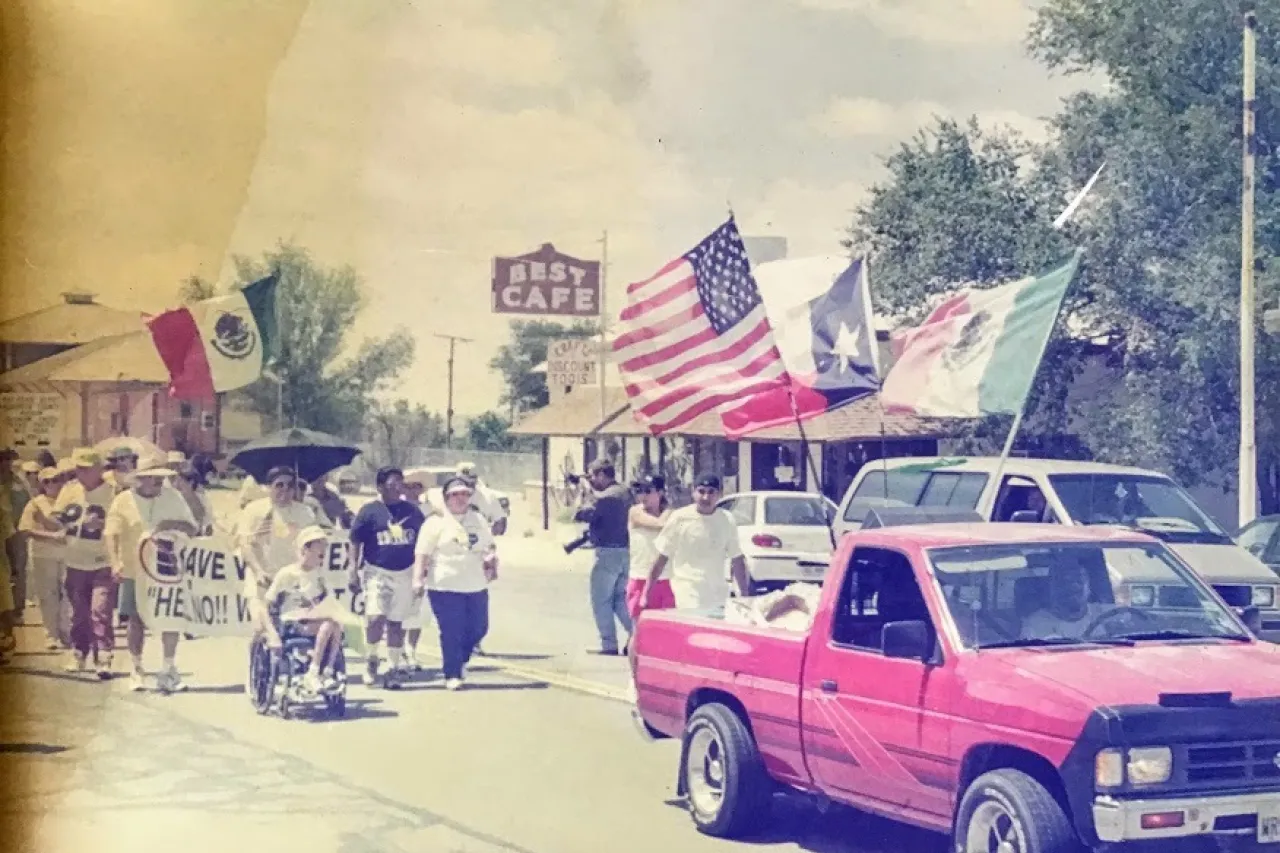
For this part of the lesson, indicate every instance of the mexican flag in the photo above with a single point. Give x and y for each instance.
(978, 352)
(218, 344)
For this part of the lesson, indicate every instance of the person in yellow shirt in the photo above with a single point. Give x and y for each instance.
(151, 505)
(82, 510)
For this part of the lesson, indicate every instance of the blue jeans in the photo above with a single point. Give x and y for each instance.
(609, 594)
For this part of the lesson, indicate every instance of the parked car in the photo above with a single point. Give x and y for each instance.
(1077, 493)
(785, 536)
(927, 690)
(1261, 538)
(433, 478)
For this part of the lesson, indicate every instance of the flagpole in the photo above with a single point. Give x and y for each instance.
(1248, 490)
(813, 468)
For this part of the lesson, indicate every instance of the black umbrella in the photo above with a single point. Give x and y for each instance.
(312, 454)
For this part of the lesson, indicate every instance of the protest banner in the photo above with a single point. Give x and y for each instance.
(30, 419)
(195, 585)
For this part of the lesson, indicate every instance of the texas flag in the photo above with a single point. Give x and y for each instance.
(820, 310)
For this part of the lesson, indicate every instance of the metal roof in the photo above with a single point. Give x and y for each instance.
(578, 414)
(74, 321)
(120, 358)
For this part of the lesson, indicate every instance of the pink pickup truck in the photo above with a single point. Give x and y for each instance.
(989, 682)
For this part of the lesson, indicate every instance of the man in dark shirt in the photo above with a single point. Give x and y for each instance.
(607, 526)
(382, 541)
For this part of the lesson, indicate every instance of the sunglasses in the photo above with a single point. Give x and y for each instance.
(283, 484)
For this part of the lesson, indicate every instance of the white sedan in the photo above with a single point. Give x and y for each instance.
(785, 536)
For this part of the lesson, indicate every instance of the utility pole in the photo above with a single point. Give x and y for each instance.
(1248, 306)
(604, 318)
(448, 415)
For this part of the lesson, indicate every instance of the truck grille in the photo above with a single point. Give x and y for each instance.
(1235, 595)
(1227, 764)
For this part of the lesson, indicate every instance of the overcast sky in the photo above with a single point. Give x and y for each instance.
(416, 139)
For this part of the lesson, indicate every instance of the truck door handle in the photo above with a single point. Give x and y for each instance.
(829, 686)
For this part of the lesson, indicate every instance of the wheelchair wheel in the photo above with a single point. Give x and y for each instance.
(336, 703)
(261, 675)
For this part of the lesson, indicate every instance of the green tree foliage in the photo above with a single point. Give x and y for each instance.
(323, 387)
(488, 431)
(526, 390)
(1159, 288)
(196, 289)
(395, 428)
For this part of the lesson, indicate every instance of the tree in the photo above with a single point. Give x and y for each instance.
(488, 431)
(317, 307)
(526, 390)
(1160, 281)
(395, 428)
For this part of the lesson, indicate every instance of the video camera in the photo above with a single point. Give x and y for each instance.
(578, 543)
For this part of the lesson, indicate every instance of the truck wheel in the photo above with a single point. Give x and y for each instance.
(1007, 811)
(726, 782)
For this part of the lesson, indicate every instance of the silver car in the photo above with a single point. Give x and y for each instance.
(785, 536)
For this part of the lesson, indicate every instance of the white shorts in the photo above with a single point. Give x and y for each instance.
(388, 594)
(421, 615)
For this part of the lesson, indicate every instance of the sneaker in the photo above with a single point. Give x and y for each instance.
(453, 684)
(173, 682)
(411, 662)
(138, 681)
(77, 663)
(311, 683)
(104, 668)
(479, 651)
(52, 644)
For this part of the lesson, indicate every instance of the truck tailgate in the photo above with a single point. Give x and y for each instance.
(685, 659)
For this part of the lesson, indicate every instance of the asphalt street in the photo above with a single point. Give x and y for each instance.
(531, 757)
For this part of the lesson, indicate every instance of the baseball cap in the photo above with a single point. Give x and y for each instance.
(457, 484)
(176, 457)
(466, 469)
(598, 466)
(31, 467)
(66, 465)
(86, 457)
(313, 533)
(707, 481)
(154, 465)
(47, 474)
(650, 482)
(122, 451)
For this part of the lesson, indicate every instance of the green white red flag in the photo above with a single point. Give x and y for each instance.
(218, 344)
(978, 352)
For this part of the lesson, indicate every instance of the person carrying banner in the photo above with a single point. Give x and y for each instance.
(82, 510)
(382, 542)
(265, 533)
(46, 541)
(457, 560)
(151, 505)
(300, 591)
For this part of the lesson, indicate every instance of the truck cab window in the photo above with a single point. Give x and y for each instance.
(880, 587)
(1020, 499)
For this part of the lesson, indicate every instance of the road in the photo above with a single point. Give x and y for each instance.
(515, 762)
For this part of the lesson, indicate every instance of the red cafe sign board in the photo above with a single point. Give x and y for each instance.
(546, 282)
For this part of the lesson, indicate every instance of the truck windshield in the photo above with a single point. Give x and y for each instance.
(1154, 505)
(1040, 594)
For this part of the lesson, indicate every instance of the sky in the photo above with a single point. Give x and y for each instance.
(417, 139)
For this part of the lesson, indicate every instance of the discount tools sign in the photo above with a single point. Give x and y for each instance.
(546, 283)
(572, 362)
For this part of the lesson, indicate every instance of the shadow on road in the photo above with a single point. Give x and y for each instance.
(514, 657)
(217, 689)
(31, 748)
(838, 829)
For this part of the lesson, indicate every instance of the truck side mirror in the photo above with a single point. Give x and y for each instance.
(907, 640)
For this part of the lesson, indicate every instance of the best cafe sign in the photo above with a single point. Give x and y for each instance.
(548, 283)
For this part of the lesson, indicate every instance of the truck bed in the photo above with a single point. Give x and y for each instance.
(758, 669)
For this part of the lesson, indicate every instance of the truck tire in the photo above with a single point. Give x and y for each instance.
(1009, 807)
(728, 789)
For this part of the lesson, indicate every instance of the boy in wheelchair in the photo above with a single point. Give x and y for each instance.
(296, 601)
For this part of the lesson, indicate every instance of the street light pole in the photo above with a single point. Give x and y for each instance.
(1248, 307)
(448, 415)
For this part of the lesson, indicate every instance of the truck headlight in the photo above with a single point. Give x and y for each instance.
(1142, 596)
(1150, 766)
(1108, 768)
(1264, 597)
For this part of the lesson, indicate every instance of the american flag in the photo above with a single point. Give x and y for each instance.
(694, 337)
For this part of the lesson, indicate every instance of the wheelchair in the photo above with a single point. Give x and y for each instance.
(276, 679)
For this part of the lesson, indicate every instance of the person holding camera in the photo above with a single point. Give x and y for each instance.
(607, 520)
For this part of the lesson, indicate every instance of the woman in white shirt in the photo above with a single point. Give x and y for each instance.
(644, 522)
(456, 562)
(45, 539)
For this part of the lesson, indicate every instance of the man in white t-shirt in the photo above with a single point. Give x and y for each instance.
(697, 541)
(266, 532)
(152, 505)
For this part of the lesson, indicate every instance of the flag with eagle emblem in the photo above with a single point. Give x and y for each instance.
(978, 352)
(218, 344)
